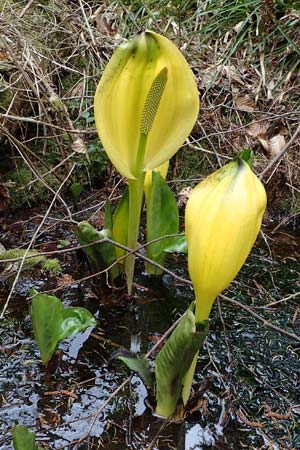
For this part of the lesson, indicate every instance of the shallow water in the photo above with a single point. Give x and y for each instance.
(250, 374)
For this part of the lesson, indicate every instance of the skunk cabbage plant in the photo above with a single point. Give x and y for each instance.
(145, 105)
(222, 219)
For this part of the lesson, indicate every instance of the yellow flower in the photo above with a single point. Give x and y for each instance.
(223, 217)
(162, 169)
(146, 104)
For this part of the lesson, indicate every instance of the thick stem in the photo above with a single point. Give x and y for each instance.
(136, 191)
(188, 380)
(203, 308)
(189, 376)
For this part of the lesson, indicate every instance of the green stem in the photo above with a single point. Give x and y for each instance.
(188, 380)
(202, 313)
(189, 376)
(136, 190)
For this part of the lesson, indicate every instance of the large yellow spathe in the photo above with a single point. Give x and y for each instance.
(223, 217)
(147, 89)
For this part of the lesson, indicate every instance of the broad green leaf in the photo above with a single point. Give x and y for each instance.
(173, 361)
(46, 316)
(52, 323)
(120, 223)
(162, 219)
(135, 363)
(177, 245)
(23, 439)
(100, 255)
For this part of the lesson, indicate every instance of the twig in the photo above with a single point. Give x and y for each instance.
(32, 168)
(90, 244)
(119, 388)
(153, 442)
(265, 322)
(25, 9)
(31, 242)
(48, 124)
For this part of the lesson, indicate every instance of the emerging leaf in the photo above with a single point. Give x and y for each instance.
(108, 221)
(23, 439)
(173, 362)
(135, 363)
(100, 255)
(52, 323)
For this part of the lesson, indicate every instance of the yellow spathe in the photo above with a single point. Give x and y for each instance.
(146, 89)
(222, 219)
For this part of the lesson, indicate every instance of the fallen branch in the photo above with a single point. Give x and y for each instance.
(265, 322)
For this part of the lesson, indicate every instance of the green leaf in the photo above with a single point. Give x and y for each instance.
(100, 255)
(173, 361)
(120, 222)
(135, 363)
(108, 216)
(162, 219)
(23, 439)
(75, 319)
(246, 155)
(177, 245)
(46, 317)
(63, 243)
(76, 190)
(52, 323)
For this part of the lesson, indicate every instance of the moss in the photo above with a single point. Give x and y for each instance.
(52, 266)
(14, 253)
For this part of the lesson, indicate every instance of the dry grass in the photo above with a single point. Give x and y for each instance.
(53, 53)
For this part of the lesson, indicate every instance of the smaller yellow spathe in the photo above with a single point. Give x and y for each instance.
(146, 104)
(222, 219)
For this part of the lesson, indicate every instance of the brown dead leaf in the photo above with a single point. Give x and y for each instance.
(183, 196)
(258, 129)
(232, 74)
(79, 146)
(244, 103)
(106, 21)
(65, 280)
(208, 75)
(264, 142)
(276, 144)
(237, 28)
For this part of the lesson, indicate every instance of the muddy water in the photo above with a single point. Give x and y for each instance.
(248, 375)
